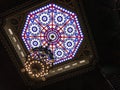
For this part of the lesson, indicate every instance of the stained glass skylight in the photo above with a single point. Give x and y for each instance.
(57, 24)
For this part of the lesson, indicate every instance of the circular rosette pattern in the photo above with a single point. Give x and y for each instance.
(56, 26)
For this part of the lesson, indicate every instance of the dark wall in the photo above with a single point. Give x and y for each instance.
(104, 22)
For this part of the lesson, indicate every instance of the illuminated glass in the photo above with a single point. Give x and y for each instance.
(57, 24)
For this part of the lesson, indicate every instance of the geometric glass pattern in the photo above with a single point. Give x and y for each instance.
(54, 25)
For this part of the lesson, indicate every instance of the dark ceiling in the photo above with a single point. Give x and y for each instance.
(104, 21)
